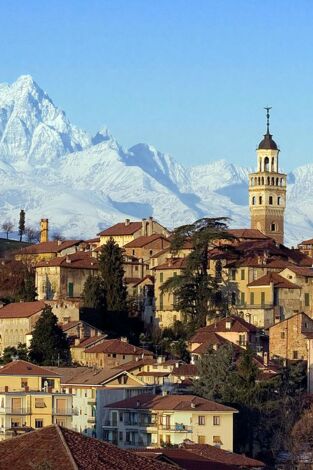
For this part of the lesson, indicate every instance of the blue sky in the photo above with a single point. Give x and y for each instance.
(188, 76)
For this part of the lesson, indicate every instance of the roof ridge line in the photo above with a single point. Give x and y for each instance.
(66, 447)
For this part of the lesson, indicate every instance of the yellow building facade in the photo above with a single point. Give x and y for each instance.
(31, 398)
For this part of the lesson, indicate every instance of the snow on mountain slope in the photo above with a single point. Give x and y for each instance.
(82, 184)
(32, 130)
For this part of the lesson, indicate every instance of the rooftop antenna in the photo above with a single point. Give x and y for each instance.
(268, 108)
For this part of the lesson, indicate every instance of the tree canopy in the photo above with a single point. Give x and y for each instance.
(49, 344)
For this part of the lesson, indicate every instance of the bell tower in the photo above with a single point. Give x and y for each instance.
(267, 189)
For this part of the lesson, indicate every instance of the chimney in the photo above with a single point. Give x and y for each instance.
(67, 259)
(44, 230)
(77, 341)
(144, 227)
(150, 226)
(192, 405)
(124, 339)
(127, 222)
(265, 359)
(59, 242)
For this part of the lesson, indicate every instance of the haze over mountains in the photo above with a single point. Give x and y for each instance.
(53, 169)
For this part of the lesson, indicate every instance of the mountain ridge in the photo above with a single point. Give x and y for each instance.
(83, 183)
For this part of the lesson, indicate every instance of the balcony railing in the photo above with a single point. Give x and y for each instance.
(253, 306)
(91, 419)
(109, 423)
(15, 411)
(64, 412)
(139, 423)
(176, 427)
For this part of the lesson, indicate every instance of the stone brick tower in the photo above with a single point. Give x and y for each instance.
(44, 230)
(267, 190)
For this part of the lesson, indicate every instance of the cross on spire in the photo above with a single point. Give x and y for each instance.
(268, 108)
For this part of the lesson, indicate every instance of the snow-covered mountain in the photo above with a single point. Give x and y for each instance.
(84, 183)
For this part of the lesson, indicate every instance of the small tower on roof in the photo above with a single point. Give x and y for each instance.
(267, 189)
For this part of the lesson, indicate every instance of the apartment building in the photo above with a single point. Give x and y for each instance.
(153, 420)
(31, 398)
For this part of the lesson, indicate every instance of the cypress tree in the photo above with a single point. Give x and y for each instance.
(21, 224)
(94, 295)
(112, 275)
(49, 344)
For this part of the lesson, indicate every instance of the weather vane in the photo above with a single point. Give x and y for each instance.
(268, 108)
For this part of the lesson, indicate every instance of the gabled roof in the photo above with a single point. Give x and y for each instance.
(21, 309)
(25, 368)
(247, 233)
(301, 271)
(145, 240)
(170, 402)
(238, 325)
(78, 260)
(116, 346)
(273, 278)
(208, 339)
(172, 263)
(53, 246)
(185, 370)
(88, 375)
(86, 342)
(309, 319)
(121, 229)
(59, 448)
(132, 365)
(216, 454)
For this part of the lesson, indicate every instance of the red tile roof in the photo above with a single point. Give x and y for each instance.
(63, 449)
(301, 271)
(223, 456)
(247, 233)
(21, 309)
(20, 367)
(273, 278)
(172, 263)
(116, 346)
(54, 246)
(132, 365)
(184, 459)
(307, 242)
(186, 370)
(86, 342)
(170, 402)
(122, 229)
(238, 325)
(142, 241)
(79, 260)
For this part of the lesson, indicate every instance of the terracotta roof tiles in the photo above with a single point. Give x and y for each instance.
(121, 229)
(21, 309)
(20, 367)
(116, 346)
(53, 246)
(273, 278)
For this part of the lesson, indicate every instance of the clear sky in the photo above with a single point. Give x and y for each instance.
(188, 76)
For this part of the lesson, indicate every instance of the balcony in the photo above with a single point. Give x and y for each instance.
(108, 423)
(253, 306)
(178, 427)
(91, 419)
(15, 411)
(62, 412)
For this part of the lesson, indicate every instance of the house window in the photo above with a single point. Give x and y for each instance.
(242, 298)
(262, 298)
(273, 227)
(278, 200)
(282, 335)
(70, 289)
(307, 299)
(161, 301)
(242, 274)
(295, 355)
(233, 298)
(251, 298)
(38, 423)
(24, 383)
(216, 420)
(201, 420)
(233, 274)
(161, 277)
(201, 439)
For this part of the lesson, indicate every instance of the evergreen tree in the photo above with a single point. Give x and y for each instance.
(112, 276)
(21, 224)
(197, 293)
(94, 295)
(11, 352)
(27, 291)
(49, 344)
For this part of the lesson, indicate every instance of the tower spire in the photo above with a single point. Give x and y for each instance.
(268, 108)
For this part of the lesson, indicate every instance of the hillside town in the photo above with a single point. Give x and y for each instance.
(187, 348)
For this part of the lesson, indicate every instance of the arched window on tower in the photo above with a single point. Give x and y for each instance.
(253, 201)
(273, 163)
(262, 180)
(273, 227)
(270, 200)
(260, 199)
(277, 181)
(273, 181)
(279, 201)
(266, 164)
(268, 180)
(252, 182)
